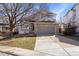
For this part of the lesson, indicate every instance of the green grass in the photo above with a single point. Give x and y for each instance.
(73, 37)
(21, 42)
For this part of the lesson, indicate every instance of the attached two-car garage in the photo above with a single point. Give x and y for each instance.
(45, 28)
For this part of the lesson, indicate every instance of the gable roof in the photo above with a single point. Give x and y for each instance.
(36, 16)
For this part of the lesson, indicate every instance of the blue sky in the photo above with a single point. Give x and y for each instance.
(60, 9)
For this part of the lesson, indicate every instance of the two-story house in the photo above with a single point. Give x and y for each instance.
(42, 23)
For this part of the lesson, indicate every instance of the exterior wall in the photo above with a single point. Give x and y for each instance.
(77, 18)
(68, 18)
(24, 29)
(62, 28)
(65, 20)
(0, 28)
(77, 30)
(77, 11)
(4, 28)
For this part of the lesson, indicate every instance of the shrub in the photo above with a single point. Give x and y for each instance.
(70, 30)
(15, 33)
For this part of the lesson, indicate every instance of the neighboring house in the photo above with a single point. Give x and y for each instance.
(42, 23)
(72, 17)
(4, 25)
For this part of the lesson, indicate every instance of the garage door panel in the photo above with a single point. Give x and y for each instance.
(45, 30)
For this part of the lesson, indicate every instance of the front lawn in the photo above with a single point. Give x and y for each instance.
(73, 37)
(21, 42)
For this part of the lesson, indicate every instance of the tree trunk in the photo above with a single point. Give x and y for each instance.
(11, 31)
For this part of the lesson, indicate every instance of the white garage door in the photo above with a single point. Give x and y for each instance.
(45, 29)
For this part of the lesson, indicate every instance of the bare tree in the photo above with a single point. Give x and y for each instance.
(15, 12)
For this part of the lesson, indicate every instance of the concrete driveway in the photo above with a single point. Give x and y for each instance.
(57, 46)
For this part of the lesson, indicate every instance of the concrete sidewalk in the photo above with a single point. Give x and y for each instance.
(13, 51)
(16, 51)
(57, 45)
